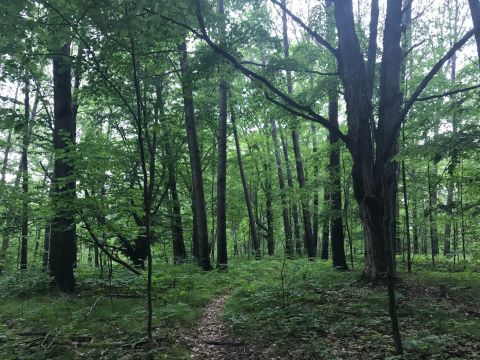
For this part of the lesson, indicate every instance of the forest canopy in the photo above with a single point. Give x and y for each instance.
(212, 147)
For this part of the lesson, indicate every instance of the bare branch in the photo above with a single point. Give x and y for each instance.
(448, 93)
(286, 68)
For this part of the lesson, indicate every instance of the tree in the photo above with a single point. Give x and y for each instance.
(63, 230)
(200, 213)
(222, 159)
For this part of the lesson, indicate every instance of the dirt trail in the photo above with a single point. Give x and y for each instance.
(213, 339)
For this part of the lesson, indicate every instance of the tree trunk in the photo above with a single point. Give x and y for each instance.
(407, 218)
(269, 209)
(309, 243)
(293, 203)
(63, 232)
(24, 174)
(222, 158)
(325, 223)
(195, 162)
(179, 253)
(283, 196)
(337, 238)
(316, 185)
(451, 183)
(251, 216)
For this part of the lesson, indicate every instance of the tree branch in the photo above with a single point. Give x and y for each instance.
(286, 68)
(448, 93)
(316, 36)
(423, 84)
(106, 252)
(254, 76)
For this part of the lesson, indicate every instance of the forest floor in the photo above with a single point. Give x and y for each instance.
(269, 309)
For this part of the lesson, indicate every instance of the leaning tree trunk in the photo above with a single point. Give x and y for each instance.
(195, 162)
(63, 231)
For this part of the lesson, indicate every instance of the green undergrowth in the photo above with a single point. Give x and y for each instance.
(315, 312)
(295, 309)
(106, 319)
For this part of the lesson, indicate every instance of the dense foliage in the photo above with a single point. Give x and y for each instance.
(140, 139)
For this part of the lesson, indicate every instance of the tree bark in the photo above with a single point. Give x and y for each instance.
(195, 162)
(63, 230)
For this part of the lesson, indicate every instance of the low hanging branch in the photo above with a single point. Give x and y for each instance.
(103, 247)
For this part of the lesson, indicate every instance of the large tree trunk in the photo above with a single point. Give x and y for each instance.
(195, 162)
(63, 231)
(283, 196)
(248, 202)
(222, 158)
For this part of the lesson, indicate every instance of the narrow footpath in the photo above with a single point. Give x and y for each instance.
(213, 339)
